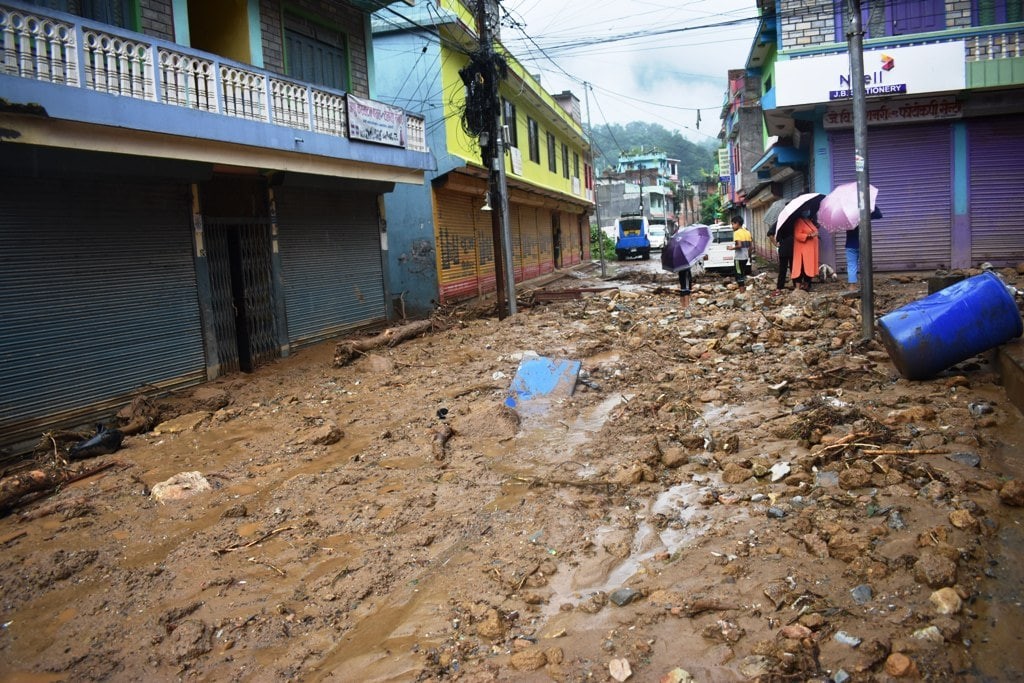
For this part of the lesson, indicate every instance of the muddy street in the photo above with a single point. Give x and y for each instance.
(739, 490)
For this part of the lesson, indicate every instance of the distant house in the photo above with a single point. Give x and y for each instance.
(189, 189)
(441, 248)
(944, 84)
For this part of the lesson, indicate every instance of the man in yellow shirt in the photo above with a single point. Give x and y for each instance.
(742, 247)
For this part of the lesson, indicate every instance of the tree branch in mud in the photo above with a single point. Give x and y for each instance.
(17, 486)
(349, 349)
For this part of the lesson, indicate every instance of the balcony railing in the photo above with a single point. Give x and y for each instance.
(80, 54)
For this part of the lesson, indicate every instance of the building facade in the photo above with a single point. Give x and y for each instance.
(444, 250)
(190, 189)
(945, 113)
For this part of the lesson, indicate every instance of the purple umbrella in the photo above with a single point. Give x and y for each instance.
(840, 209)
(685, 248)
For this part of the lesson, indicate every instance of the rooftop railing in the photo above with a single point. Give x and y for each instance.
(82, 54)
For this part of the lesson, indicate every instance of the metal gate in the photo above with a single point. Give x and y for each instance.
(331, 261)
(238, 251)
(98, 299)
(996, 148)
(912, 168)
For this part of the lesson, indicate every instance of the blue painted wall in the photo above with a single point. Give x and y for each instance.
(408, 77)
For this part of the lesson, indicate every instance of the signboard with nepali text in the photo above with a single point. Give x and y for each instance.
(903, 111)
(375, 122)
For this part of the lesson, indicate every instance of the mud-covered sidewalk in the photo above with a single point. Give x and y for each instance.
(741, 490)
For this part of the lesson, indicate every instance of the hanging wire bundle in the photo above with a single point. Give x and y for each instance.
(481, 76)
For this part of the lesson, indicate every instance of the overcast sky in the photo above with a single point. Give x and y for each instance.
(663, 77)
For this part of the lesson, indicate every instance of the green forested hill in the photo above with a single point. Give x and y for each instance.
(609, 141)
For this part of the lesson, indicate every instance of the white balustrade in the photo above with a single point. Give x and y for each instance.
(117, 66)
(415, 138)
(329, 113)
(244, 93)
(42, 48)
(187, 81)
(38, 47)
(289, 104)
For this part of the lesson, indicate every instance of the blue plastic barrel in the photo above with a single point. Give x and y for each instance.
(972, 316)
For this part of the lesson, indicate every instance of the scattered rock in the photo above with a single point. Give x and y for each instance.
(964, 458)
(898, 665)
(180, 486)
(322, 435)
(1012, 493)
(862, 594)
(492, 627)
(619, 669)
(677, 675)
(946, 601)
(623, 596)
(854, 478)
(846, 639)
(935, 570)
(963, 519)
(735, 474)
(529, 660)
(182, 423)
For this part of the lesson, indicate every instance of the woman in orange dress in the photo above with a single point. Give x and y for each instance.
(805, 252)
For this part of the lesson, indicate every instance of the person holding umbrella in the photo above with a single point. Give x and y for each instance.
(796, 226)
(805, 251)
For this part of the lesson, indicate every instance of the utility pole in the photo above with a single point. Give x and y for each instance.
(493, 157)
(855, 45)
(597, 207)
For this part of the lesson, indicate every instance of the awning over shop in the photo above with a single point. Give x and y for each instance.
(781, 156)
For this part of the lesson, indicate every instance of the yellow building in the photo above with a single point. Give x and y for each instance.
(422, 50)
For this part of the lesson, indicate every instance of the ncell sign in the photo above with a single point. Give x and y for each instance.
(934, 68)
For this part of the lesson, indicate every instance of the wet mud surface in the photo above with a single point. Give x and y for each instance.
(739, 490)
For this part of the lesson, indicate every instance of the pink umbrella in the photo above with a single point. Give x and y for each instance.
(840, 209)
(809, 200)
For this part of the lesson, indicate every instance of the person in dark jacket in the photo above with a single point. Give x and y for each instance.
(784, 243)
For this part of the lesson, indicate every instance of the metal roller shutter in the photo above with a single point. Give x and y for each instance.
(516, 230)
(331, 262)
(996, 147)
(530, 242)
(456, 246)
(485, 250)
(98, 299)
(545, 241)
(912, 168)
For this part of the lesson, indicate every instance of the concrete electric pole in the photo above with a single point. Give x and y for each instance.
(855, 46)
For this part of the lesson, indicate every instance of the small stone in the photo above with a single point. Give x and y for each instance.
(492, 626)
(931, 634)
(795, 631)
(779, 471)
(776, 512)
(826, 479)
(180, 486)
(1012, 493)
(898, 665)
(619, 669)
(946, 601)
(854, 478)
(841, 677)
(529, 660)
(623, 596)
(895, 521)
(862, 594)
(934, 570)
(734, 474)
(964, 458)
(963, 519)
(846, 639)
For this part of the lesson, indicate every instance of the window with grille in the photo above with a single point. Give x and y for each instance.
(533, 133)
(315, 53)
